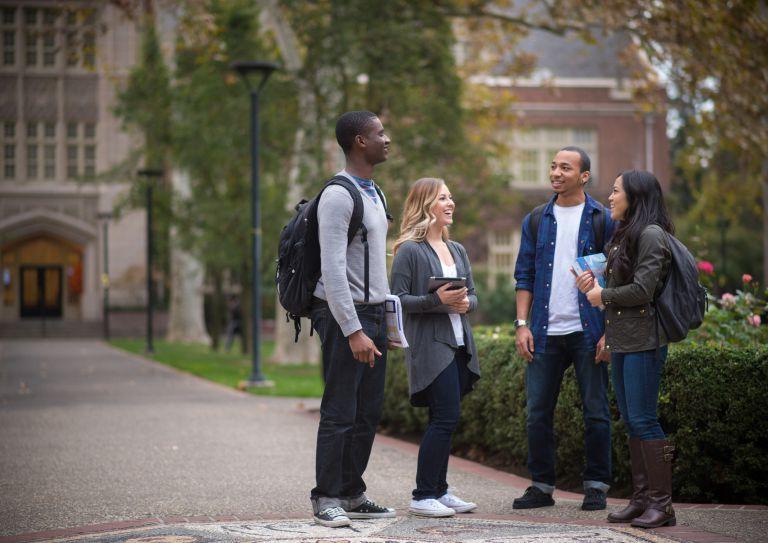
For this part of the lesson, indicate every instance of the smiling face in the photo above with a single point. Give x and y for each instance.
(443, 208)
(565, 175)
(618, 200)
(375, 142)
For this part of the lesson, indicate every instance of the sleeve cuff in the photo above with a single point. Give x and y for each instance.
(350, 327)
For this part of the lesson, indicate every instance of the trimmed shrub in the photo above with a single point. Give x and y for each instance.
(713, 406)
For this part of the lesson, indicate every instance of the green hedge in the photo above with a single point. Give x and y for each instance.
(713, 406)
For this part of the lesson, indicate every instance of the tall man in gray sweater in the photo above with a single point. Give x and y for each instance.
(351, 327)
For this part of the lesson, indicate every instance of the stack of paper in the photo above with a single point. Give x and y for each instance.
(394, 312)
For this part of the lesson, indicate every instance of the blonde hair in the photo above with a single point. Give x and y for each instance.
(417, 211)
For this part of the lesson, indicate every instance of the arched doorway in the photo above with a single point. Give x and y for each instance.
(49, 267)
(50, 276)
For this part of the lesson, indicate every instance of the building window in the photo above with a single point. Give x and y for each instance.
(41, 150)
(32, 161)
(502, 254)
(81, 150)
(80, 37)
(31, 53)
(72, 169)
(40, 43)
(9, 16)
(9, 47)
(9, 150)
(533, 149)
(49, 151)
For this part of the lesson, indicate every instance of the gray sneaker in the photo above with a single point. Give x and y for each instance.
(333, 517)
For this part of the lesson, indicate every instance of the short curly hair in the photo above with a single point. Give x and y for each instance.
(350, 125)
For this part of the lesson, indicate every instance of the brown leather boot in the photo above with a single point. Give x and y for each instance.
(657, 455)
(639, 499)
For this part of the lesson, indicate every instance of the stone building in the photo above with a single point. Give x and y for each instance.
(60, 62)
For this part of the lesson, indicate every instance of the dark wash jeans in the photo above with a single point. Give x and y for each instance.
(444, 397)
(636, 377)
(351, 406)
(543, 377)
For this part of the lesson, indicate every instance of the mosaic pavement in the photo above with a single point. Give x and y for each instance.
(400, 530)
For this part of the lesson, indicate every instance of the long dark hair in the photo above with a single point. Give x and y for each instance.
(645, 206)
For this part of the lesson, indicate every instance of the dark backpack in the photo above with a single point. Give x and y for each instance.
(298, 260)
(682, 302)
(598, 225)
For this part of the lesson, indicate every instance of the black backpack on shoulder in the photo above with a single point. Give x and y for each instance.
(298, 261)
(682, 302)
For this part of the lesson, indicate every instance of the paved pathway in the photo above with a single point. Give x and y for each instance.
(99, 445)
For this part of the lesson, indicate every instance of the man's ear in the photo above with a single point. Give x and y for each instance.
(585, 177)
(360, 140)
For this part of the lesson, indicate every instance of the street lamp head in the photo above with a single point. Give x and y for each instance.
(247, 67)
(150, 172)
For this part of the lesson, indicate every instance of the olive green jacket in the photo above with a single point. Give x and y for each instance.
(630, 318)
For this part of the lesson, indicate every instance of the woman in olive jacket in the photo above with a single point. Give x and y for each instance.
(441, 358)
(638, 263)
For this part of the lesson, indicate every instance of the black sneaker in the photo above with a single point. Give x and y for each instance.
(532, 499)
(594, 500)
(333, 517)
(369, 509)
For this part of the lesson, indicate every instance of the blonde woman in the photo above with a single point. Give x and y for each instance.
(442, 360)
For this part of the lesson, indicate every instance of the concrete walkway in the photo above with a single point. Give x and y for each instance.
(100, 445)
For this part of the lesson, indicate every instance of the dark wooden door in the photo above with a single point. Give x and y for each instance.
(41, 291)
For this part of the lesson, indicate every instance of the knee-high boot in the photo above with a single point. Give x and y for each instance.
(639, 499)
(657, 456)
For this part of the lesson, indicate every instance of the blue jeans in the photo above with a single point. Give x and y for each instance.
(350, 409)
(636, 378)
(543, 377)
(444, 398)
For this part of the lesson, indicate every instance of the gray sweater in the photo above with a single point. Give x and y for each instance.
(427, 325)
(342, 280)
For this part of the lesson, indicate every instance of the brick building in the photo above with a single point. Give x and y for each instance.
(579, 94)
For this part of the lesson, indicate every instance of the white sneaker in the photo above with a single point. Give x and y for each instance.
(457, 504)
(430, 508)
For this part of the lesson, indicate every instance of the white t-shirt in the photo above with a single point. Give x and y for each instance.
(564, 317)
(458, 331)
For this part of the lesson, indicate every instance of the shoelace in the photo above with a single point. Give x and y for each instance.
(333, 512)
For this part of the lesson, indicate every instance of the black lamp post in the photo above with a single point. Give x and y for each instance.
(150, 175)
(105, 217)
(247, 69)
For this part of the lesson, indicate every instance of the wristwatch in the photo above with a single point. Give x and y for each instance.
(520, 322)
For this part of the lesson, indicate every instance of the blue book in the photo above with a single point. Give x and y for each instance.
(594, 263)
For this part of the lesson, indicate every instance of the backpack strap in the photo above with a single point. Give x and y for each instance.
(536, 215)
(598, 228)
(390, 218)
(356, 223)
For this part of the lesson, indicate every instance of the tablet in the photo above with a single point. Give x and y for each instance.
(437, 282)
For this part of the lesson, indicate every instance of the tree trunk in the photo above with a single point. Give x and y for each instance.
(307, 349)
(186, 321)
(765, 222)
(217, 308)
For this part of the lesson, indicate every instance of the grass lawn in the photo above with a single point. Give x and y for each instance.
(302, 381)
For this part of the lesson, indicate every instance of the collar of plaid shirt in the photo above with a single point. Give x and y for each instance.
(367, 186)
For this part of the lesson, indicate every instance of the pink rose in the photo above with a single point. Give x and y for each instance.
(746, 278)
(728, 300)
(706, 267)
(754, 320)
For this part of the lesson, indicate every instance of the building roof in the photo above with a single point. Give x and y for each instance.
(570, 56)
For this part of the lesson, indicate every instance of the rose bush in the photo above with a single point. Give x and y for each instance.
(735, 319)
